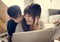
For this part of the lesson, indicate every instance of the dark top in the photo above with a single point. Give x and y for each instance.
(11, 26)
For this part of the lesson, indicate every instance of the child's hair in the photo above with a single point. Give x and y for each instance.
(14, 11)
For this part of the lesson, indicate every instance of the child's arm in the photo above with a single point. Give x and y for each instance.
(9, 38)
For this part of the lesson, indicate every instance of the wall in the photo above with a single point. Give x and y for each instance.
(44, 5)
(9, 3)
(27, 2)
(3, 17)
(47, 4)
(55, 4)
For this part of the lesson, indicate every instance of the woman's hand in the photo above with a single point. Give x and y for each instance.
(36, 25)
(58, 38)
(56, 23)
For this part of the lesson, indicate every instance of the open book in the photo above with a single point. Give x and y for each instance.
(34, 36)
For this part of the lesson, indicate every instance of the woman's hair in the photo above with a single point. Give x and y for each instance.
(25, 26)
(34, 10)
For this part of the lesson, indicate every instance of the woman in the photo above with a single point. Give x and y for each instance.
(31, 17)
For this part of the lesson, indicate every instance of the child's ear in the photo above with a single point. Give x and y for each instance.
(22, 15)
(12, 18)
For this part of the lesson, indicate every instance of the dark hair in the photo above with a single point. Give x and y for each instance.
(34, 10)
(25, 26)
(14, 11)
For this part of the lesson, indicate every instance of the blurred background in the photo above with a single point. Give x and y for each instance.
(50, 10)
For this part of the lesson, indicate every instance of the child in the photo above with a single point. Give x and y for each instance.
(15, 14)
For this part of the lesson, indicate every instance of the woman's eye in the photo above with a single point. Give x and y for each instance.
(29, 16)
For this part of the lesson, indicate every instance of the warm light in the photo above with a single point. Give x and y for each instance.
(14, 2)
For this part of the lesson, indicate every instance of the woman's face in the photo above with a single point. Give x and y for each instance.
(29, 19)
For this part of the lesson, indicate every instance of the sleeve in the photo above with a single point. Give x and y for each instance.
(9, 26)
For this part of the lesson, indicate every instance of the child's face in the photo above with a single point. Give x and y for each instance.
(19, 19)
(29, 19)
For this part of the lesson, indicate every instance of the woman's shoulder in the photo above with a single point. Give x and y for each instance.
(41, 24)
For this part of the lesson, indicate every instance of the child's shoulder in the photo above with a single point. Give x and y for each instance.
(11, 22)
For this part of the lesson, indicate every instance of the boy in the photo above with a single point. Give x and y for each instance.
(15, 17)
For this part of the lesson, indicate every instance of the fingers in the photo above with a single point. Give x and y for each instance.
(56, 23)
(59, 38)
(36, 20)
